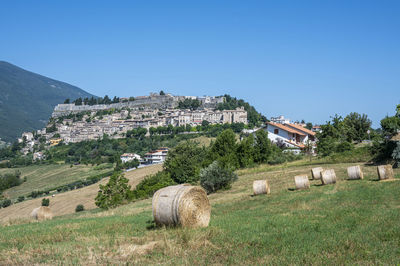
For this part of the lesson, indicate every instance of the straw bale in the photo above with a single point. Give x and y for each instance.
(328, 177)
(316, 172)
(302, 182)
(261, 187)
(385, 172)
(183, 205)
(355, 172)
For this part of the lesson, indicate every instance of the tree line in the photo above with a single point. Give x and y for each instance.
(97, 100)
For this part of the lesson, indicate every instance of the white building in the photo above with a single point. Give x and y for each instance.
(280, 120)
(289, 135)
(127, 157)
(157, 156)
(38, 156)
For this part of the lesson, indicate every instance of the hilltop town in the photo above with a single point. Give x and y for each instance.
(72, 122)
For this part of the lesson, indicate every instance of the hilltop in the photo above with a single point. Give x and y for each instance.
(27, 99)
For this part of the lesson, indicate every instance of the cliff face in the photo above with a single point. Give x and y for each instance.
(28, 99)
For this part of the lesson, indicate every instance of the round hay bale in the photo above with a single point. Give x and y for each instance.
(328, 177)
(316, 172)
(183, 205)
(261, 187)
(42, 213)
(385, 172)
(301, 182)
(354, 172)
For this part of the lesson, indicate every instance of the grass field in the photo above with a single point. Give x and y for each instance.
(65, 203)
(351, 222)
(42, 177)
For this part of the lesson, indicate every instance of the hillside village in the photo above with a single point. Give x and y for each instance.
(71, 123)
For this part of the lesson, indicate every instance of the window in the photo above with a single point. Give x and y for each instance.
(276, 131)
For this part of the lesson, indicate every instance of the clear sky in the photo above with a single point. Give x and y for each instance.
(303, 59)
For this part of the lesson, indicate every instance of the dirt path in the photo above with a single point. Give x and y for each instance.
(65, 203)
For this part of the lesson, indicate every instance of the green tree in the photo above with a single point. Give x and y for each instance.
(356, 127)
(390, 125)
(162, 92)
(114, 193)
(263, 147)
(246, 151)
(184, 162)
(224, 149)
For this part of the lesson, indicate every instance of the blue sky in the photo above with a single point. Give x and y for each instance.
(303, 59)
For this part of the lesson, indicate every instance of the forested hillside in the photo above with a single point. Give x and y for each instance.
(27, 99)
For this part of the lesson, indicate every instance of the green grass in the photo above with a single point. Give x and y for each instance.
(42, 177)
(351, 222)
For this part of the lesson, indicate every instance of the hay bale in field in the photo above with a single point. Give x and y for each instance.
(183, 205)
(355, 172)
(385, 172)
(301, 182)
(328, 177)
(316, 172)
(261, 187)
(42, 213)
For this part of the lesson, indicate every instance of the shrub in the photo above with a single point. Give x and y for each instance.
(21, 198)
(114, 193)
(34, 194)
(215, 177)
(6, 203)
(45, 202)
(79, 208)
(148, 186)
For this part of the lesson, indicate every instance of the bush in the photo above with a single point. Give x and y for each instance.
(148, 186)
(6, 203)
(45, 202)
(21, 198)
(79, 208)
(215, 177)
(34, 194)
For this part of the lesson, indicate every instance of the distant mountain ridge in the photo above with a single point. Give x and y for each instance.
(27, 99)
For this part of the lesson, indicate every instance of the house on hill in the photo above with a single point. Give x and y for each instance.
(316, 128)
(157, 156)
(127, 157)
(288, 135)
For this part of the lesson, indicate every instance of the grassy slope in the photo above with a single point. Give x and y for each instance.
(41, 177)
(65, 203)
(352, 222)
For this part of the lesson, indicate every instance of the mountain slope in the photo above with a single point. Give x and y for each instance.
(27, 99)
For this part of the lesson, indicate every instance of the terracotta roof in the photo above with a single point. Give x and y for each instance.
(306, 130)
(288, 129)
